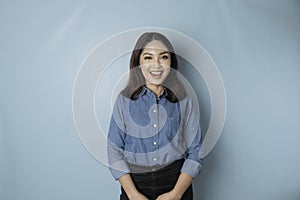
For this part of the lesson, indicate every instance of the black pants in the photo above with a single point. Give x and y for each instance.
(153, 184)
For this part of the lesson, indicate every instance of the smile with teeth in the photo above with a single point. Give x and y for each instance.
(156, 73)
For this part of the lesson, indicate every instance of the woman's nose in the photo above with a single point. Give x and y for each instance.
(156, 61)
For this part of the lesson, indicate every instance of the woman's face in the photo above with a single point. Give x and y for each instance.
(155, 62)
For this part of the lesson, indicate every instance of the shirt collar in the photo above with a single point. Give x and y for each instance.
(145, 90)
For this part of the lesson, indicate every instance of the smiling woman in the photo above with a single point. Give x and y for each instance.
(155, 65)
(154, 55)
(154, 134)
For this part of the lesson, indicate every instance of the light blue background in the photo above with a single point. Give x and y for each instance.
(255, 44)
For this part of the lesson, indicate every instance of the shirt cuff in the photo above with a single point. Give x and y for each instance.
(119, 169)
(191, 167)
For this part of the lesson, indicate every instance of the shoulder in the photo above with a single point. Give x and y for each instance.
(120, 101)
(121, 98)
(190, 105)
(186, 101)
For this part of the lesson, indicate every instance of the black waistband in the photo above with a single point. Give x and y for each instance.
(136, 169)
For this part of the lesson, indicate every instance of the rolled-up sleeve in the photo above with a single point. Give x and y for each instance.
(115, 143)
(192, 137)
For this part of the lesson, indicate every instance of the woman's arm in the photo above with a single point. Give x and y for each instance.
(130, 189)
(115, 142)
(183, 182)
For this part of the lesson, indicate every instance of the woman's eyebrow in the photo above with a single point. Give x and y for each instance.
(147, 53)
(163, 52)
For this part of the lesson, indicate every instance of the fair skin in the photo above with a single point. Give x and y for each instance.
(155, 64)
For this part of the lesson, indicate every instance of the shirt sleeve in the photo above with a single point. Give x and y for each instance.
(192, 137)
(115, 143)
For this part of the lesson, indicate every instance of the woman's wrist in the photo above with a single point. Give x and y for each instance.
(132, 194)
(176, 194)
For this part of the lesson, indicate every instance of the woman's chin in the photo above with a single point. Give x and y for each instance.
(155, 83)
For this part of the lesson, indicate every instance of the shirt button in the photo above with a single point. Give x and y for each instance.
(154, 125)
(154, 159)
(155, 143)
(154, 110)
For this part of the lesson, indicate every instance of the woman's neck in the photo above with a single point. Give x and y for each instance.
(156, 89)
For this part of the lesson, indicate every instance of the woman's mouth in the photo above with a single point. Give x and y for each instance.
(156, 74)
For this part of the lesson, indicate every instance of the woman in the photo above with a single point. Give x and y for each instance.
(154, 134)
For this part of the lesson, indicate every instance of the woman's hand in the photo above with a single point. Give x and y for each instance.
(130, 189)
(138, 196)
(183, 182)
(169, 196)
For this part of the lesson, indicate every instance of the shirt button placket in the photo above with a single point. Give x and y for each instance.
(155, 133)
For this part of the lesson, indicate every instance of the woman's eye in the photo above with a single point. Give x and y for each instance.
(165, 57)
(147, 58)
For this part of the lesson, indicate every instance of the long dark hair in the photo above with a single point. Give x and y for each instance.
(136, 78)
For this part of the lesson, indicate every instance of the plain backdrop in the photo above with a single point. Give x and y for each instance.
(254, 43)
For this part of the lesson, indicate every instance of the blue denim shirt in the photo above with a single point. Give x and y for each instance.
(149, 133)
